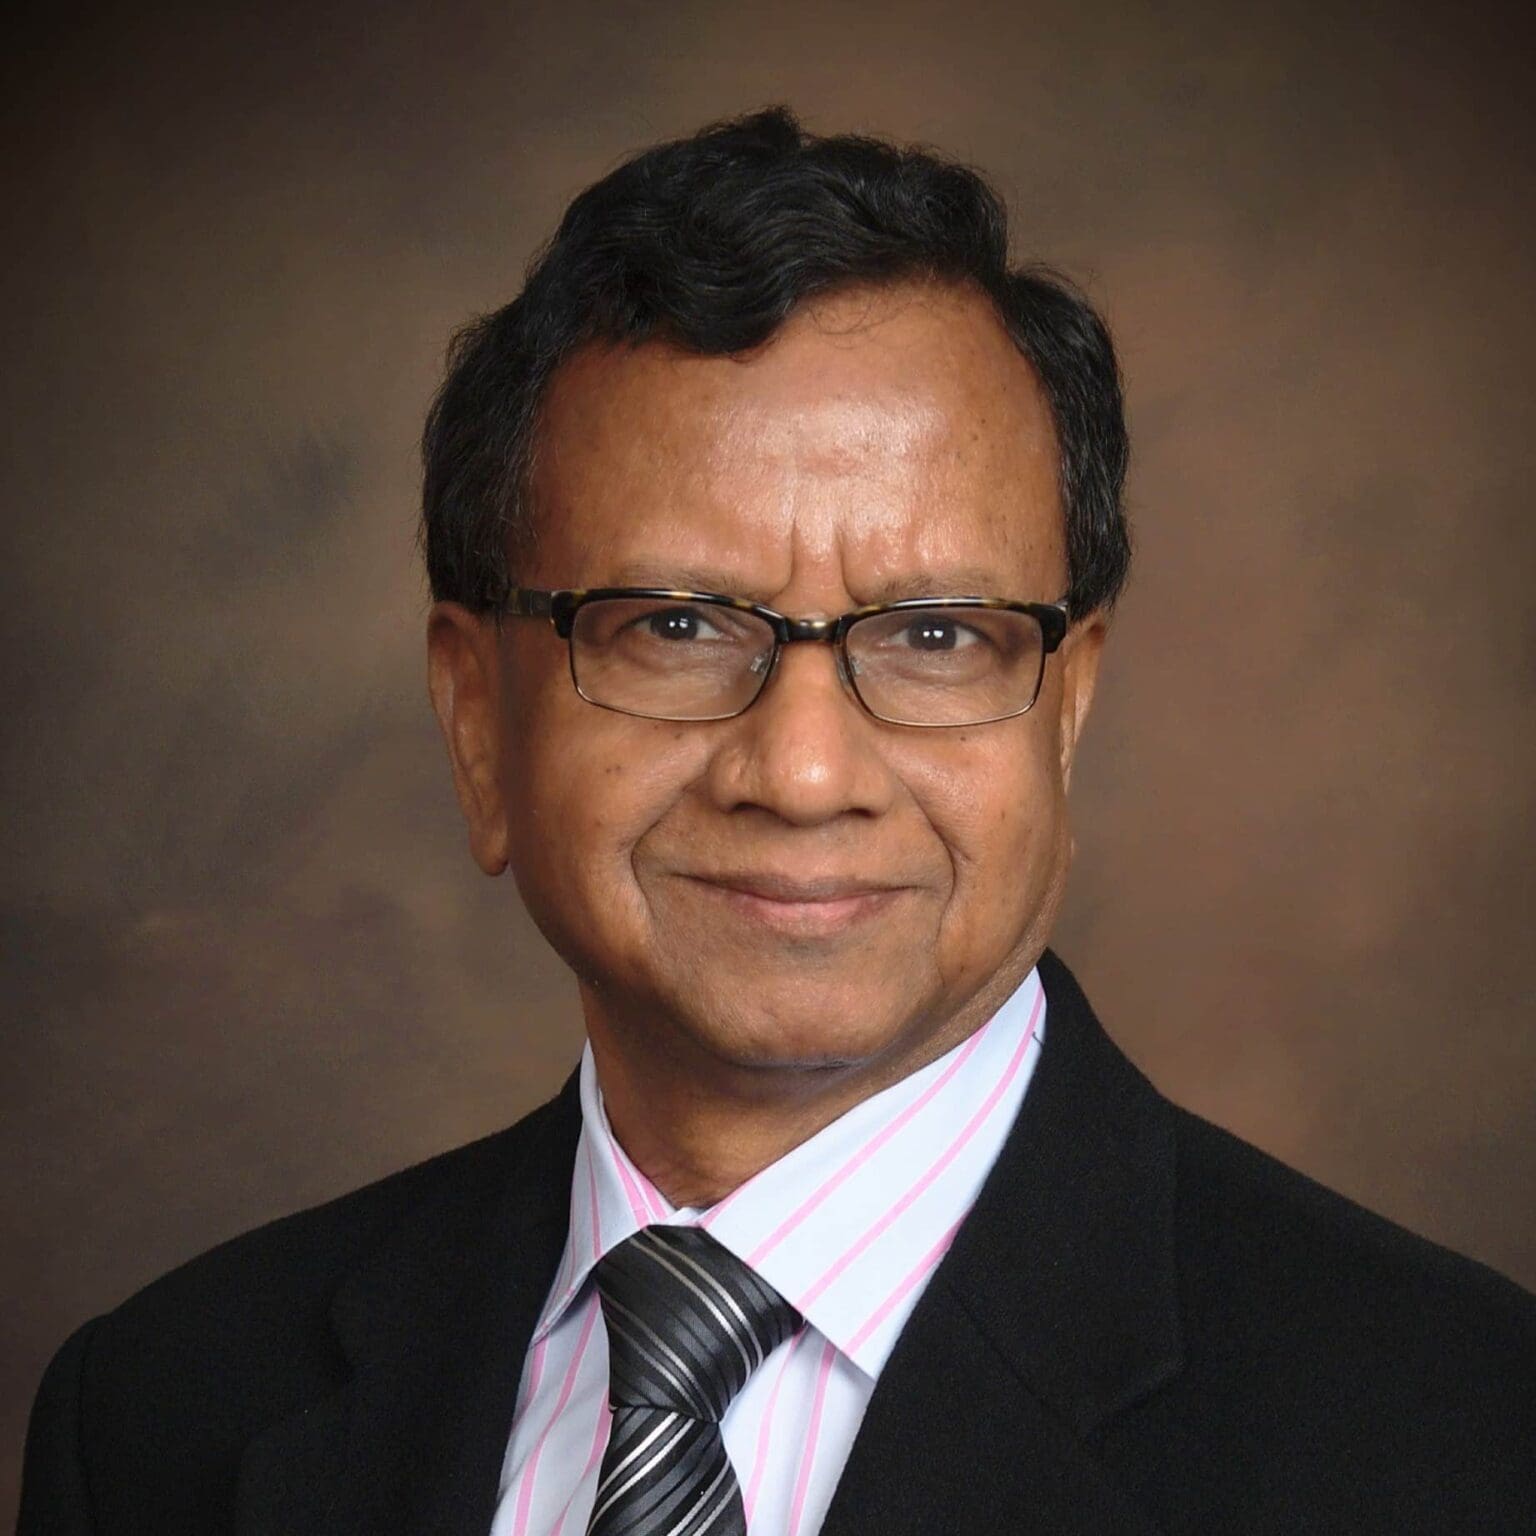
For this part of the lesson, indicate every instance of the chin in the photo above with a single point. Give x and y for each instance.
(796, 1032)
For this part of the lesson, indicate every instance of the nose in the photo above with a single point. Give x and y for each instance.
(805, 751)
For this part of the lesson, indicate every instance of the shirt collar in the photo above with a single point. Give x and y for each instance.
(849, 1225)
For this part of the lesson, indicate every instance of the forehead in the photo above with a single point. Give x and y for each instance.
(896, 435)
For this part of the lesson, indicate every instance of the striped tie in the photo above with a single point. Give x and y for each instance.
(687, 1324)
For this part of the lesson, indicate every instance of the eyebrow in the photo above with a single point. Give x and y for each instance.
(683, 578)
(967, 581)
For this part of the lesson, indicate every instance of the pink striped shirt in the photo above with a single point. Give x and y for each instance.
(849, 1226)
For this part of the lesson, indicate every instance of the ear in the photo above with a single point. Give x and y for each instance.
(464, 681)
(1081, 652)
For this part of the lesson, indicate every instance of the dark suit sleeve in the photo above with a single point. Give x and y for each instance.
(55, 1498)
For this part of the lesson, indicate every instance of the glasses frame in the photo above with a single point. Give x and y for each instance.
(561, 605)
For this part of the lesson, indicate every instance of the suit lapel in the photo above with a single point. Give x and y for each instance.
(1054, 1309)
(435, 1327)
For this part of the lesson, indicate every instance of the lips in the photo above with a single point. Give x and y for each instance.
(796, 889)
(798, 908)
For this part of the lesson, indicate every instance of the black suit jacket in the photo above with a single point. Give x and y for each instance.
(1145, 1325)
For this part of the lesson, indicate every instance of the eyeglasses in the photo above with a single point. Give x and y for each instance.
(696, 656)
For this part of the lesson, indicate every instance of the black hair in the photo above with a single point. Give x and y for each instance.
(710, 242)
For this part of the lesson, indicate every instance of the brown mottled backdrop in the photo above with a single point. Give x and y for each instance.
(248, 961)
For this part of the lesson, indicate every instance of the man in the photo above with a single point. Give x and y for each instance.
(774, 532)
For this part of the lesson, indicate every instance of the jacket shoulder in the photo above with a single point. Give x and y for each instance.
(1335, 1351)
(1249, 1218)
(182, 1373)
(288, 1269)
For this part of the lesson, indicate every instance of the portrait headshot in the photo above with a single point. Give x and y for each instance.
(771, 774)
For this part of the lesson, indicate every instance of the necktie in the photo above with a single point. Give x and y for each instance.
(687, 1324)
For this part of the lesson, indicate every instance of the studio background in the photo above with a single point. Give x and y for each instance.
(248, 962)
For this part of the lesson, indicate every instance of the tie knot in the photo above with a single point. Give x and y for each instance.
(687, 1321)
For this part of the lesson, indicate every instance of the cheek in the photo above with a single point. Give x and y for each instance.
(582, 791)
(999, 808)
(577, 808)
(571, 820)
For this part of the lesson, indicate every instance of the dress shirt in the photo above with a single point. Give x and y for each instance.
(848, 1226)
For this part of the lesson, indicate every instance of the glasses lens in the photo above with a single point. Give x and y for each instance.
(669, 658)
(946, 665)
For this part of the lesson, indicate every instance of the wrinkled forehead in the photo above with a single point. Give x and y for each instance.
(893, 435)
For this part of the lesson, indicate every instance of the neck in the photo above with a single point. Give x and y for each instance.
(697, 1126)
(696, 1149)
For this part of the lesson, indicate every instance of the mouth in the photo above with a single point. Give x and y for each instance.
(795, 906)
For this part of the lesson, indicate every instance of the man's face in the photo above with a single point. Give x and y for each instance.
(802, 886)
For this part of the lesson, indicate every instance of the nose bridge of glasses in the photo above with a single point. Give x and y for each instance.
(816, 631)
(824, 630)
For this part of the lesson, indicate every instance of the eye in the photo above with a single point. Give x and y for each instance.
(931, 632)
(680, 624)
